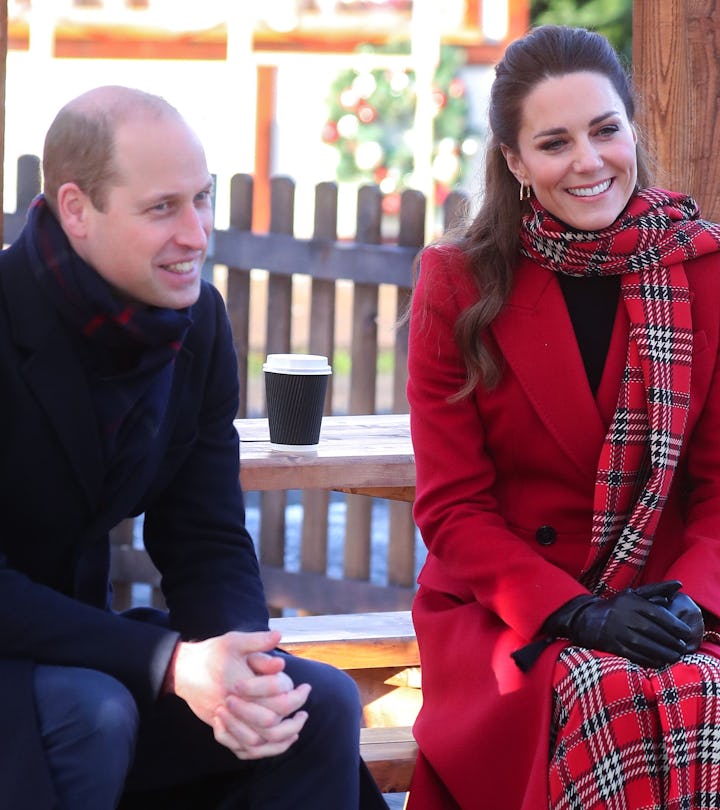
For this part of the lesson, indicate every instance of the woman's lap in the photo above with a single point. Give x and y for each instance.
(625, 736)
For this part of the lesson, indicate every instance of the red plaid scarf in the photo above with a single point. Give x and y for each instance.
(647, 245)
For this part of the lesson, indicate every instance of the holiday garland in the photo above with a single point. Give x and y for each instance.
(370, 124)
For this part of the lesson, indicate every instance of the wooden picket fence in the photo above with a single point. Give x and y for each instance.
(368, 261)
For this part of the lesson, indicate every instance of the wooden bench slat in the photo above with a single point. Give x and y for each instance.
(380, 652)
(352, 641)
(390, 755)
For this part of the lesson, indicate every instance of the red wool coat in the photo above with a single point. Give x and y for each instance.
(505, 484)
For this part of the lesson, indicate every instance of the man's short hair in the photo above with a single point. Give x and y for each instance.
(80, 143)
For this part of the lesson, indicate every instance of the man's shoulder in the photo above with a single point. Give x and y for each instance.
(208, 315)
(14, 253)
(16, 278)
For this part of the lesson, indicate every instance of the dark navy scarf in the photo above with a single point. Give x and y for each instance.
(128, 349)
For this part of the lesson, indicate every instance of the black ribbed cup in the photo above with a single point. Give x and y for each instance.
(295, 400)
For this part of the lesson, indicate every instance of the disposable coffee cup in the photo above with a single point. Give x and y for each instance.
(295, 387)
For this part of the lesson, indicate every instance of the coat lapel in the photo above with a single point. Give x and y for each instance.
(54, 376)
(536, 338)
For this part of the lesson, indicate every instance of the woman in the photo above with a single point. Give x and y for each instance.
(565, 414)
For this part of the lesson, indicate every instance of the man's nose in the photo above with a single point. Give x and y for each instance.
(194, 228)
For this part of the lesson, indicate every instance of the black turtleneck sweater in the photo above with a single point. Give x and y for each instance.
(592, 302)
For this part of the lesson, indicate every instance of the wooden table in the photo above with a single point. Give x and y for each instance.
(363, 455)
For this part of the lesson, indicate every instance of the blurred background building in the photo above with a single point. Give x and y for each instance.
(386, 91)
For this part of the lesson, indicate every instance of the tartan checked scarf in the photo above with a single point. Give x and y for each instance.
(646, 245)
(129, 347)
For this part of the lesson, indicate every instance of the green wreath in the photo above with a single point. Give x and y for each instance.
(370, 123)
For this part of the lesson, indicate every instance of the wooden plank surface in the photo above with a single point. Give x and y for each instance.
(355, 453)
(390, 755)
(352, 641)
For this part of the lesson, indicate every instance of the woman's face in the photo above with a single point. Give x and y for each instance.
(577, 149)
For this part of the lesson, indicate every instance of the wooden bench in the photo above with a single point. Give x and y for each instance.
(380, 652)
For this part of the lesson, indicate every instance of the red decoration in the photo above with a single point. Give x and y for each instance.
(391, 203)
(366, 112)
(456, 88)
(329, 132)
(439, 98)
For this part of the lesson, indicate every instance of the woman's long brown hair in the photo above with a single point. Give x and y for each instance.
(491, 240)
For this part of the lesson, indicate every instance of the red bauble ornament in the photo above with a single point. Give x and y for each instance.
(366, 112)
(329, 132)
(439, 98)
(456, 88)
(391, 203)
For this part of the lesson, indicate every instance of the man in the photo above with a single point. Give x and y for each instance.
(119, 388)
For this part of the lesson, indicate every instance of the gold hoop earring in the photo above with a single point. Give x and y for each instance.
(524, 191)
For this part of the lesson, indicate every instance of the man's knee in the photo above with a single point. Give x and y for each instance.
(334, 699)
(88, 723)
(83, 707)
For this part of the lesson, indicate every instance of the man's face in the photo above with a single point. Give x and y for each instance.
(150, 241)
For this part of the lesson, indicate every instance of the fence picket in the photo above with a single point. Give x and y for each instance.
(321, 340)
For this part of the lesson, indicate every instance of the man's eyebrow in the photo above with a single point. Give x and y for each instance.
(562, 130)
(169, 196)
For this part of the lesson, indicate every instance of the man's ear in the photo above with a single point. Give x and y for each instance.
(72, 208)
(515, 164)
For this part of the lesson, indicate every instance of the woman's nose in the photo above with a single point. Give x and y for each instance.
(586, 157)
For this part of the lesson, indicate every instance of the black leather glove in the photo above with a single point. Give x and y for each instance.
(689, 612)
(682, 606)
(631, 624)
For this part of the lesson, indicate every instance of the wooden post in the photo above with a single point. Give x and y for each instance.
(676, 65)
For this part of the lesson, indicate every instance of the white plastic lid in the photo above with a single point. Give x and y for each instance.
(297, 364)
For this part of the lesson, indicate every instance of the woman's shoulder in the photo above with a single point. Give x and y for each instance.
(444, 260)
(447, 252)
(445, 277)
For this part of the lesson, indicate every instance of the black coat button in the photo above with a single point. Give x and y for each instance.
(546, 535)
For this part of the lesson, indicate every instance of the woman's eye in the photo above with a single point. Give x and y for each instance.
(552, 146)
(609, 129)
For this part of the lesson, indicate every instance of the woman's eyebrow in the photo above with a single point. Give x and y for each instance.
(561, 130)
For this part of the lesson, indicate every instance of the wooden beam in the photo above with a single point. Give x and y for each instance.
(264, 123)
(676, 65)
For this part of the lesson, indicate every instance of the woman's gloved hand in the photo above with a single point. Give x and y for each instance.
(638, 625)
(682, 606)
(689, 612)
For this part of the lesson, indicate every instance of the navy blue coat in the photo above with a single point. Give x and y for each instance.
(54, 547)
